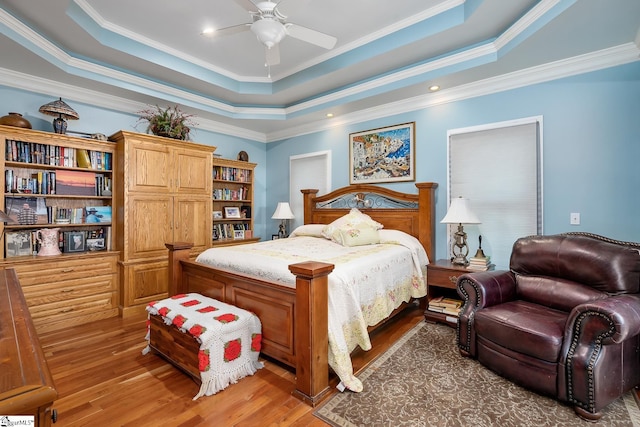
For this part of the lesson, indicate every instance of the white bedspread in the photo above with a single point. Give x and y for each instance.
(367, 284)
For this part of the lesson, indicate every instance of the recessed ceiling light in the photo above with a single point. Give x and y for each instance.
(329, 115)
(434, 88)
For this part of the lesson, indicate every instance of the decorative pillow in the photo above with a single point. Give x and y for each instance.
(312, 230)
(353, 218)
(359, 235)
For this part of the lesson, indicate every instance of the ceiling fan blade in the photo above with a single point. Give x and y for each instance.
(311, 36)
(234, 29)
(273, 55)
(247, 5)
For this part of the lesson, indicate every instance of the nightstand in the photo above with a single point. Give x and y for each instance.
(442, 277)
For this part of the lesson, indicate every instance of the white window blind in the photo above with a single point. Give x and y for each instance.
(499, 170)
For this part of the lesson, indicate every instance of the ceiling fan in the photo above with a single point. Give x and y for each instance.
(270, 26)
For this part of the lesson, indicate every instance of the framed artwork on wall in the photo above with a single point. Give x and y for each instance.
(382, 155)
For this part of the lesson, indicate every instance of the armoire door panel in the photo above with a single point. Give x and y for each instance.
(150, 224)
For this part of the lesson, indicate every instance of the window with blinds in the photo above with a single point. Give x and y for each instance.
(498, 168)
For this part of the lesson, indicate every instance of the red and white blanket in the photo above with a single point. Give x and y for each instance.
(230, 338)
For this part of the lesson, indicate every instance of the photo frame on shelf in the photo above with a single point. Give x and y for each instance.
(232, 212)
(26, 210)
(275, 236)
(96, 244)
(18, 243)
(238, 234)
(217, 214)
(74, 241)
(384, 154)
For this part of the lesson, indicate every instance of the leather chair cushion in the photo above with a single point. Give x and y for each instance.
(524, 327)
(555, 293)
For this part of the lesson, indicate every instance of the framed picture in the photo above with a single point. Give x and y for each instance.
(232, 212)
(95, 244)
(18, 243)
(95, 214)
(275, 236)
(238, 234)
(74, 241)
(217, 214)
(382, 155)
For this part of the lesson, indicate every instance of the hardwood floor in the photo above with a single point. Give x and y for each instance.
(102, 378)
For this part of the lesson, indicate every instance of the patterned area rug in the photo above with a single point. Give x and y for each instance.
(423, 381)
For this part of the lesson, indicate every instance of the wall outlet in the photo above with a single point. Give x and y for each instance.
(574, 218)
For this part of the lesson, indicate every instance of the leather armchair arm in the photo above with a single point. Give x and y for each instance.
(479, 290)
(611, 320)
(601, 336)
(484, 289)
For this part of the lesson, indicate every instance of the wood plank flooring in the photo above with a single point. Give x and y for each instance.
(103, 378)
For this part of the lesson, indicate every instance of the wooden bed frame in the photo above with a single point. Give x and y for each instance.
(294, 321)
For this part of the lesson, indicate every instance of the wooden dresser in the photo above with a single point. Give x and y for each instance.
(26, 385)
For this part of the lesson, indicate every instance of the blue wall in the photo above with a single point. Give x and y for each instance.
(591, 137)
(591, 143)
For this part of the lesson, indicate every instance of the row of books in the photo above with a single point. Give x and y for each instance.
(61, 182)
(231, 231)
(26, 242)
(479, 264)
(231, 174)
(230, 193)
(445, 305)
(54, 155)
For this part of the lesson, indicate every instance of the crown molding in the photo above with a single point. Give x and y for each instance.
(606, 58)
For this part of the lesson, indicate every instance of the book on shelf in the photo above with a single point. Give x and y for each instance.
(445, 302)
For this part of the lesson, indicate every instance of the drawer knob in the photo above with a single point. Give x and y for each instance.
(453, 279)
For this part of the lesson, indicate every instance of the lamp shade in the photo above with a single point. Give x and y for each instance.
(59, 108)
(283, 211)
(268, 31)
(460, 213)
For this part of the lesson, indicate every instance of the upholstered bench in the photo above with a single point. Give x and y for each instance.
(217, 343)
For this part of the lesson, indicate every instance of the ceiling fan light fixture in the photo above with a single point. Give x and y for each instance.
(268, 31)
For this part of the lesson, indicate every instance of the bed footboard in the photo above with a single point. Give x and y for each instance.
(294, 321)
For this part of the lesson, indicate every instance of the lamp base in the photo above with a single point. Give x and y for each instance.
(60, 125)
(460, 259)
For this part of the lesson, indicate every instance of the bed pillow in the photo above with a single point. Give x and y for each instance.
(312, 230)
(358, 235)
(353, 218)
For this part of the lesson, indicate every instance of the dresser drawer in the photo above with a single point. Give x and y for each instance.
(68, 290)
(70, 313)
(442, 277)
(59, 270)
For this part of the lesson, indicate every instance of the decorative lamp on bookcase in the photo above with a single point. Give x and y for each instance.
(62, 112)
(460, 213)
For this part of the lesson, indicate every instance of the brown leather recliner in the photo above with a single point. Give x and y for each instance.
(564, 321)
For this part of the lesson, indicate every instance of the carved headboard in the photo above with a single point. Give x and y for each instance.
(412, 213)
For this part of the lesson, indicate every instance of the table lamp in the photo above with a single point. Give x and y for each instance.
(62, 112)
(460, 213)
(283, 212)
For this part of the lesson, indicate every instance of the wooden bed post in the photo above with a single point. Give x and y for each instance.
(311, 330)
(307, 204)
(178, 251)
(427, 230)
